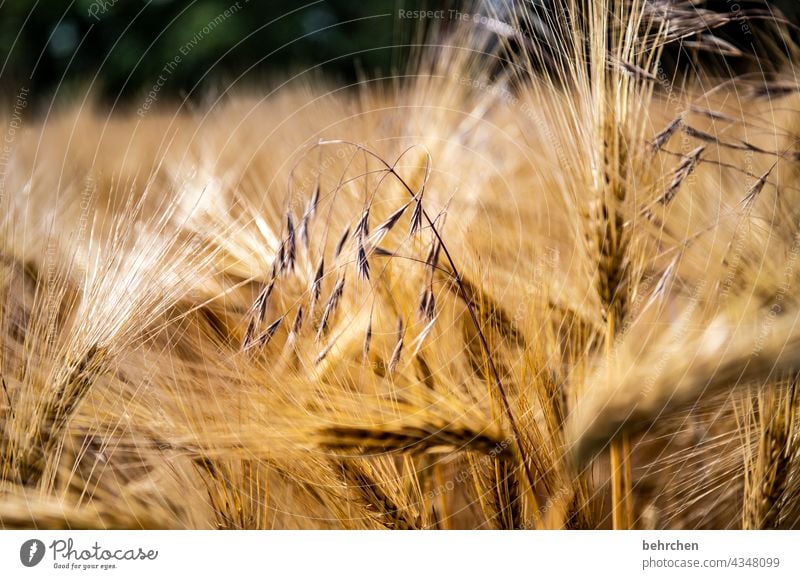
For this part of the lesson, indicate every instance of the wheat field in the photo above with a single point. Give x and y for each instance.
(501, 289)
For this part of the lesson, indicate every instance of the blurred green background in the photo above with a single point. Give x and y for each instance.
(121, 47)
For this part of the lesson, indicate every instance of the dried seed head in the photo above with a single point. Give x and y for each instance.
(398, 349)
(773, 89)
(340, 245)
(280, 261)
(715, 115)
(314, 203)
(324, 353)
(756, 189)
(316, 286)
(417, 437)
(291, 246)
(427, 305)
(416, 217)
(298, 321)
(423, 335)
(713, 43)
(262, 301)
(685, 169)
(430, 310)
(661, 138)
(330, 307)
(382, 252)
(367, 341)
(432, 260)
(249, 333)
(266, 336)
(631, 69)
(385, 227)
(385, 508)
(308, 215)
(362, 228)
(304, 224)
(423, 303)
(363, 262)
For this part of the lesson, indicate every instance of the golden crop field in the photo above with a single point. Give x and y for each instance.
(515, 285)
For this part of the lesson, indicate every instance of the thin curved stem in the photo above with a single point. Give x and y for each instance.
(456, 275)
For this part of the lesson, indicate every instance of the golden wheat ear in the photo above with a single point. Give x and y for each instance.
(771, 460)
(665, 376)
(25, 510)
